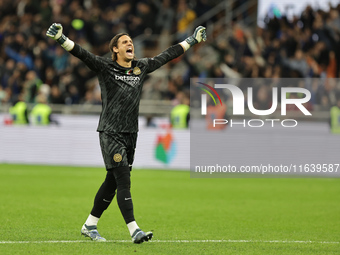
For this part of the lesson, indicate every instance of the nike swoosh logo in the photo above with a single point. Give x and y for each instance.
(116, 70)
(128, 198)
(106, 200)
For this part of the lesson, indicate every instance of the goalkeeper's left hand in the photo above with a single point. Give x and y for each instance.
(55, 31)
(198, 36)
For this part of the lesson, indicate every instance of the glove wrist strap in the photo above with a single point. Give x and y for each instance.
(61, 39)
(191, 41)
(66, 43)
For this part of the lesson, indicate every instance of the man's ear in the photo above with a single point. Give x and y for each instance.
(115, 49)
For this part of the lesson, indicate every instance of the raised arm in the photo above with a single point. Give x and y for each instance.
(175, 51)
(94, 62)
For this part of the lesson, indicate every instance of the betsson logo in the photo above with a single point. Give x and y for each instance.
(132, 80)
(238, 106)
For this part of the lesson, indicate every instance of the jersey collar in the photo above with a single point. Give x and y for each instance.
(133, 64)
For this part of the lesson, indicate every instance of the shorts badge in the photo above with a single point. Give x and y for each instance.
(117, 157)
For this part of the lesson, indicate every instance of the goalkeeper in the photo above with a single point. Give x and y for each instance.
(121, 81)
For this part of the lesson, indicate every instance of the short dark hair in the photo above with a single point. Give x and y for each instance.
(114, 43)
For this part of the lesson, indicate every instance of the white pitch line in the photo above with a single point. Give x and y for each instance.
(173, 241)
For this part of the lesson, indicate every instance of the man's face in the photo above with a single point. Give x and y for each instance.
(125, 50)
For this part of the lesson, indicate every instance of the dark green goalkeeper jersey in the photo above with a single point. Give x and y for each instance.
(121, 88)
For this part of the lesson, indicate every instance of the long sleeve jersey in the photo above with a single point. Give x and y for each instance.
(121, 88)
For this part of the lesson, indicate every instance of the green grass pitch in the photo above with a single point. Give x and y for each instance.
(41, 204)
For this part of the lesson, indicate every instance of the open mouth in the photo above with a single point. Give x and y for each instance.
(129, 52)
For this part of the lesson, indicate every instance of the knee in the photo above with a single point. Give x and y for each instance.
(111, 196)
(122, 176)
(124, 185)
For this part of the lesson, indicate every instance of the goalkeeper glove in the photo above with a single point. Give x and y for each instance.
(198, 36)
(55, 32)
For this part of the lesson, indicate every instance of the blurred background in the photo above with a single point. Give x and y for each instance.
(246, 39)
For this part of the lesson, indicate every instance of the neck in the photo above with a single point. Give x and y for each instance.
(123, 63)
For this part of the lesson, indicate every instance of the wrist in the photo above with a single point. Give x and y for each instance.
(191, 40)
(61, 39)
(185, 45)
(67, 44)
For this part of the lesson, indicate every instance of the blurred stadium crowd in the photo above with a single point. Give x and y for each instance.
(31, 64)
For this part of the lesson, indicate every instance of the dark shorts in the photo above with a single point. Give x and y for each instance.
(118, 149)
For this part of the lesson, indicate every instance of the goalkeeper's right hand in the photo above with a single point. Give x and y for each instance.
(55, 31)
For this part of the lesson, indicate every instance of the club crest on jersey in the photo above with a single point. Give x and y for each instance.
(136, 71)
